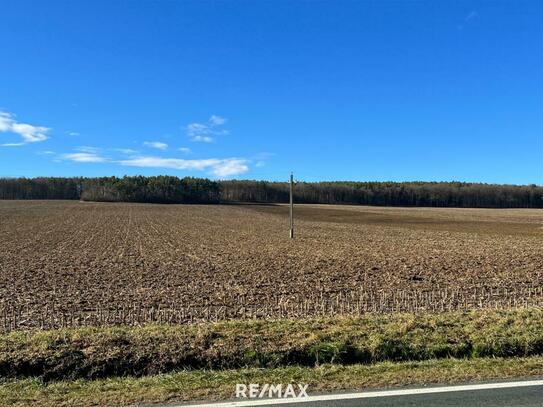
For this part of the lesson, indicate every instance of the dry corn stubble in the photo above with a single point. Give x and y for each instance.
(66, 263)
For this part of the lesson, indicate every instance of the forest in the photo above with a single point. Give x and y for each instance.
(160, 189)
(170, 189)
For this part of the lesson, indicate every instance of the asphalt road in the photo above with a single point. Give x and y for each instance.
(515, 397)
(514, 394)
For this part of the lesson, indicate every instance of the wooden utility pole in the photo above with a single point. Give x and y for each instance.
(291, 207)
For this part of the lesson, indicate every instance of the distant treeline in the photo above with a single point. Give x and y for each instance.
(437, 194)
(167, 189)
(161, 189)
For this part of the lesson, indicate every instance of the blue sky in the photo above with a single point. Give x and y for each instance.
(339, 90)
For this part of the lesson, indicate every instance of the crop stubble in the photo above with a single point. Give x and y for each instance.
(65, 263)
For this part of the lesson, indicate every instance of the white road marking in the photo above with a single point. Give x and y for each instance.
(371, 394)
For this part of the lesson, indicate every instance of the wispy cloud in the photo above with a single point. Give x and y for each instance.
(467, 19)
(156, 144)
(84, 157)
(127, 151)
(185, 150)
(472, 14)
(88, 149)
(217, 120)
(29, 133)
(206, 132)
(224, 168)
(83, 154)
(73, 133)
(262, 158)
(199, 132)
(216, 167)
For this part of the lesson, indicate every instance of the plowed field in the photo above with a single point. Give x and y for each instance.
(72, 263)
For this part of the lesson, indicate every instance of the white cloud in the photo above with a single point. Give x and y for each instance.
(199, 132)
(217, 120)
(73, 133)
(156, 144)
(230, 167)
(84, 157)
(125, 150)
(195, 128)
(28, 132)
(216, 167)
(185, 150)
(205, 132)
(226, 167)
(88, 149)
(5, 121)
(203, 139)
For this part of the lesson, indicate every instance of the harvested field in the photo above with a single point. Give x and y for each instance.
(66, 263)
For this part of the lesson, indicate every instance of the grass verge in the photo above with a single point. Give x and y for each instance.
(208, 385)
(90, 353)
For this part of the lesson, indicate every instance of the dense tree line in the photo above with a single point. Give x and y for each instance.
(438, 194)
(161, 189)
(167, 189)
(40, 188)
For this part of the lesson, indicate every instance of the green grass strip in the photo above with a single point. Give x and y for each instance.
(90, 353)
(208, 385)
